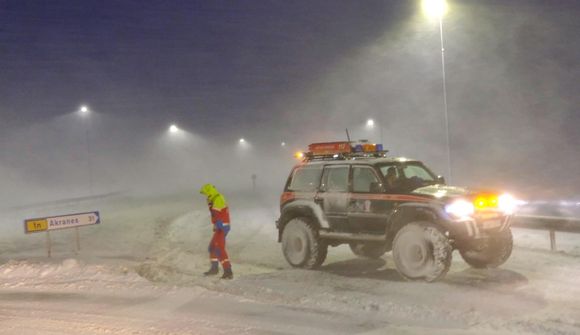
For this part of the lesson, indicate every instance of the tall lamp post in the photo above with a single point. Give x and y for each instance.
(436, 9)
(84, 111)
(370, 124)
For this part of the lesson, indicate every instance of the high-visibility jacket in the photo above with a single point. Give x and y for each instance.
(218, 207)
(220, 218)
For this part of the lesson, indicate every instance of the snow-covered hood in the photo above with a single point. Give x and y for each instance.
(443, 191)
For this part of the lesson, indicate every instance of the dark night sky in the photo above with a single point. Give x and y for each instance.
(195, 60)
(301, 71)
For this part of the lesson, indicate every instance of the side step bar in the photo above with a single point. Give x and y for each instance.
(351, 237)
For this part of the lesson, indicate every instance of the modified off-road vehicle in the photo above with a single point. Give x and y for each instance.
(348, 193)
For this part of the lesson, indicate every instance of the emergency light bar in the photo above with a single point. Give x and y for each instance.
(329, 148)
(343, 150)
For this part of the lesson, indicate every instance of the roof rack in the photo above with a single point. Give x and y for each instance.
(309, 156)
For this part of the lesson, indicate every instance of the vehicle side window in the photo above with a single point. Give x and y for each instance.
(364, 179)
(392, 178)
(335, 179)
(417, 171)
(305, 179)
(390, 168)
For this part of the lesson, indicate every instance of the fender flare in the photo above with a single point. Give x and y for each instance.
(304, 208)
(416, 211)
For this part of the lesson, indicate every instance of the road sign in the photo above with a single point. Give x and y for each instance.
(36, 225)
(61, 222)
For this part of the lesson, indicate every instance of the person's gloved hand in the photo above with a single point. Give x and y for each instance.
(219, 225)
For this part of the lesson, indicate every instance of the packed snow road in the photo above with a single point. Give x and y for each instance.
(139, 273)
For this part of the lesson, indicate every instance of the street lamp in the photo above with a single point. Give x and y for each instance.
(370, 125)
(173, 129)
(242, 141)
(84, 111)
(437, 9)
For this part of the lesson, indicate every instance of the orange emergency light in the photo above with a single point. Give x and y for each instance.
(484, 201)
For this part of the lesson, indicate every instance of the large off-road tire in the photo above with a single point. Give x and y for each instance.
(491, 252)
(421, 251)
(371, 250)
(301, 246)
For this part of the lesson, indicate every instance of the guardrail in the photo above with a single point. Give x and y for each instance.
(552, 224)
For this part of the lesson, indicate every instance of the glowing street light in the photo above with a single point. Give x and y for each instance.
(283, 144)
(84, 110)
(370, 126)
(173, 129)
(243, 145)
(437, 9)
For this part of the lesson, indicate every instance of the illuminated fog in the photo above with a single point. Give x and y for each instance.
(302, 73)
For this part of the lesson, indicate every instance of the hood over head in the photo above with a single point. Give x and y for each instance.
(208, 190)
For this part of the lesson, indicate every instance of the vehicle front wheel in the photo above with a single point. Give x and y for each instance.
(421, 251)
(491, 252)
(368, 250)
(301, 245)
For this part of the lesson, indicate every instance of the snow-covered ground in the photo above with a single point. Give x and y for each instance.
(139, 272)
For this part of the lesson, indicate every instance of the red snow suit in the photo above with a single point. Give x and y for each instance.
(220, 219)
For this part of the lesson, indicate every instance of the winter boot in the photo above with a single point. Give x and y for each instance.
(228, 274)
(213, 270)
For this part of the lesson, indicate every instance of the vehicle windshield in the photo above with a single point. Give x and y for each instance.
(406, 176)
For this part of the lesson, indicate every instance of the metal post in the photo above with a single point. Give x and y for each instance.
(445, 97)
(89, 167)
(552, 240)
(77, 240)
(381, 133)
(48, 244)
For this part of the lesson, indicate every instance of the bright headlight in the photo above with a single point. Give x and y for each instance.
(460, 208)
(507, 203)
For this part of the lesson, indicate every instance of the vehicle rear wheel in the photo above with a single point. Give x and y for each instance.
(421, 251)
(368, 250)
(301, 246)
(491, 253)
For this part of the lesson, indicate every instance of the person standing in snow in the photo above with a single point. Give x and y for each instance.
(220, 219)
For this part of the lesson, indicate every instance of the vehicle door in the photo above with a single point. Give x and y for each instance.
(333, 195)
(369, 207)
